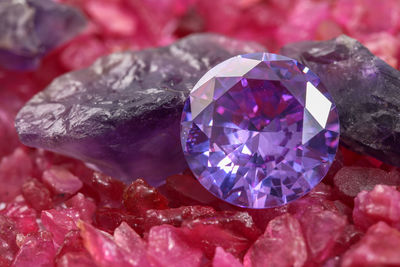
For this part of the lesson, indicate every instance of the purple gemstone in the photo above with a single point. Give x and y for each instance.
(259, 130)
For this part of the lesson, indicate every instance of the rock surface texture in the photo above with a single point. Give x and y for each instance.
(121, 115)
(29, 29)
(365, 90)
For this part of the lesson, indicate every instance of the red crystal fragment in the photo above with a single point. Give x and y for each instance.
(73, 253)
(83, 205)
(8, 245)
(282, 244)
(176, 216)
(322, 230)
(104, 189)
(37, 195)
(61, 181)
(351, 235)
(225, 259)
(129, 241)
(379, 247)
(169, 246)
(240, 223)
(37, 250)
(101, 247)
(107, 219)
(262, 217)
(59, 223)
(208, 237)
(319, 199)
(23, 216)
(140, 197)
(380, 204)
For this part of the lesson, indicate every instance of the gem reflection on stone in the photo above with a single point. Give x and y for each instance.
(259, 130)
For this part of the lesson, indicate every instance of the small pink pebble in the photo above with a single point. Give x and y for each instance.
(23, 215)
(129, 241)
(322, 230)
(176, 216)
(101, 247)
(168, 246)
(225, 259)
(61, 181)
(379, 247)
(37, 250)
(380, 204)
(72, 253)
(139, 197)
(8, 245)
(37, 195)
(59, 223)
(282, 244)
(85, 206)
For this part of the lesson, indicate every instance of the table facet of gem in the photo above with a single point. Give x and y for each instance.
(259, 130)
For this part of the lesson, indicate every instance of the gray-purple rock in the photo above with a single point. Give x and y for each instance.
(121, 115)
(365, 89)
(31, 28)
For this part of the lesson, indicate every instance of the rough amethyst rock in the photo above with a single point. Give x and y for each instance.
(31, 28)
(121, 115)
(365, 90)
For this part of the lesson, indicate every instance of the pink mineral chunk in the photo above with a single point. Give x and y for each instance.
(322, 230)
(86, 207)
(380, 204)
(129, 241)
(282, 244)
(73, 253)
(61, 181)
(23, 216)
(37, 195)
(59, 223)
(169, 246)
(8, 245)
(37, 250)
(225, 259)
(379, 247)
(102, 247)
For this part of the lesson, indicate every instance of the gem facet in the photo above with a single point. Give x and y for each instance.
(259, 130)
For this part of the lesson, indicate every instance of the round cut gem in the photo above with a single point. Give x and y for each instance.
(259, 130)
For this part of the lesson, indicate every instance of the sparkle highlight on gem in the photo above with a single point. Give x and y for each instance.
(259, 130)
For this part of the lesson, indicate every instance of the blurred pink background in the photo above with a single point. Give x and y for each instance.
(124, 24)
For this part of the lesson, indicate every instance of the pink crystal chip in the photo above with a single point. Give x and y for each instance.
(259, 130)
